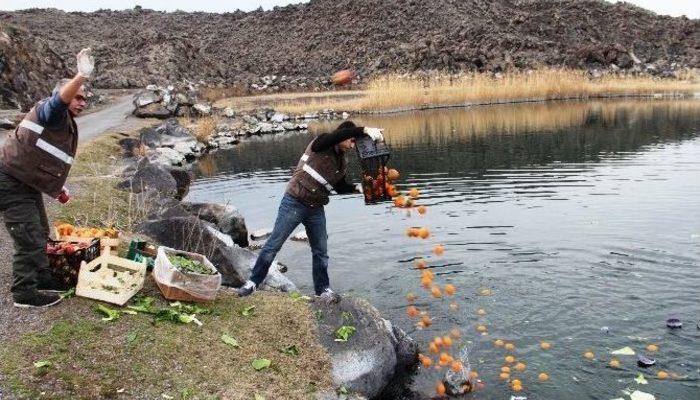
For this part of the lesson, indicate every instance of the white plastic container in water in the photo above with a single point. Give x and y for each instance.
(178, 285)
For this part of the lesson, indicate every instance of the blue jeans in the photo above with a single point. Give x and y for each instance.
(293, 212)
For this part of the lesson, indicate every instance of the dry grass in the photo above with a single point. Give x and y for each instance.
(212, 94)
(202, 128)
(139, 359)
(396, 92)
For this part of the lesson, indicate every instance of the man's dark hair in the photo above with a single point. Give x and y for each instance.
(346, 125)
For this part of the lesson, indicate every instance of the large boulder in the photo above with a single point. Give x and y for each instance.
(153, 110)
(189, 233)
(226, 218)
(368, 362)
(167, 134)
(183, 179)
(6, 124)
(146, 97)
(150, 177)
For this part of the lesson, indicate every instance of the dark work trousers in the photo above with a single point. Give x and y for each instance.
(22, 209)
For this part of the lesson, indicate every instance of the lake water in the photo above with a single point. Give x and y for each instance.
(575, 215)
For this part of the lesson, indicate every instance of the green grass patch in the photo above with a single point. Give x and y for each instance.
(137, 357)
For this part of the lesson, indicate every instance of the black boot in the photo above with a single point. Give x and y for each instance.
(36, 299)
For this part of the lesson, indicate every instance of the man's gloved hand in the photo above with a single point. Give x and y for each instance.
(375, 134)
(64, 196)
(86, 63)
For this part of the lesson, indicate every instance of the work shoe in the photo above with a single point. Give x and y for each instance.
(52, 285)
(247, 289)
(329, 296)
(37, 300)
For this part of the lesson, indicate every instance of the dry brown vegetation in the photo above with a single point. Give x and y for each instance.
(395, 92)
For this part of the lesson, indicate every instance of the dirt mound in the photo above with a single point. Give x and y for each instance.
(307, 41)
(29, 69)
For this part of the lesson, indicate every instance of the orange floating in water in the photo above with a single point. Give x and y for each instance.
(505, 369)
(589, 355)
(454, 306)
(421, 264)
(614, 363)
(412, 311)
(427, 274)
(411, 297)
(481, 312)
(440, 389)
(485, 292)
(516, 382)
(503, 376)
(473, 375)
(425, 361)
(424, 233)
(433, 347)
(509, 346)
(455, 333)
(498, 343)
(435, 291)
(414, 193)
(422, 210)
(426, 282)
(517, 388)
(399, 201)
(520, 367)
(447, 341)
(652, 348)
(439, 249)
(545, 345)
(426, 321)
(662, 375)
(450, 289)
(543, 377)
(438, 341)
(481, 328)
(456, 366)
(509, 359)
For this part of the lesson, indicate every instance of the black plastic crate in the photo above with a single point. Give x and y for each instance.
(374, 157)
(64, 267)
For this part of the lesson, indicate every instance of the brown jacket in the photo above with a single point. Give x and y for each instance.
(40, 156)
(305, 186)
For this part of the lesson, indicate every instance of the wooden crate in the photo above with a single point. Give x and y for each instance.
(111, 279)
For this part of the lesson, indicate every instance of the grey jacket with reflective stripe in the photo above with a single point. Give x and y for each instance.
(40, 156)
(305, 186)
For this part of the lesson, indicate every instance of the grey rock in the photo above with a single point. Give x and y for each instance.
(328, 395)
(288, 126)
(226, 218)
(145, 98)
(279, 117)
(151, 177)
(183, 179)
(368, 361)
(6, 124)
(229, 113)
(250, 120)
(154, 110)
(260, 234)
(202, 109)
(166, 157)
(183, 99)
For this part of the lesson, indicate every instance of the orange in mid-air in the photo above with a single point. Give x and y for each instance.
(456, 366)
(399, 201)
(414, 193)
(450, 289)
(392, 174)
(343, 77)
(422, 210)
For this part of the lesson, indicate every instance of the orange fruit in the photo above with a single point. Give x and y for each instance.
(426, 282)
(425, 361)
(543, 377)
(439, 249)
(433, 347)
(447, 341)
(421, 264)
(427, 273)
(662, 375)
(438, 341)
(414, 193)
(399, 201)
(420, 325)
(456, 366)
(509, 359)
(652, 348)
(435, 291)
(411, 297)
(426, 321)
(503, 376)
(516, 382)
(473, 375)
(505, 369)
(520, 367)
(545, 345)
(498, 343)
(589, 355)
(424, 233)
(422, 210)
(454, 306)
(509, 346)
(412, 311)
(450, 289)
(481, 328)
(614, 363)
(440, 389)
(392, 174)
(481, 312)
(455, 333)
(517, 388)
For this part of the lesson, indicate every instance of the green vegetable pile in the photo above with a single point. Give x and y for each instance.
(187, 266)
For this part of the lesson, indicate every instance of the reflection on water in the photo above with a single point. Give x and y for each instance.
(575, 215)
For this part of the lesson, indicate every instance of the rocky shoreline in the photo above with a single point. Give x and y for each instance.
(365, 366)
